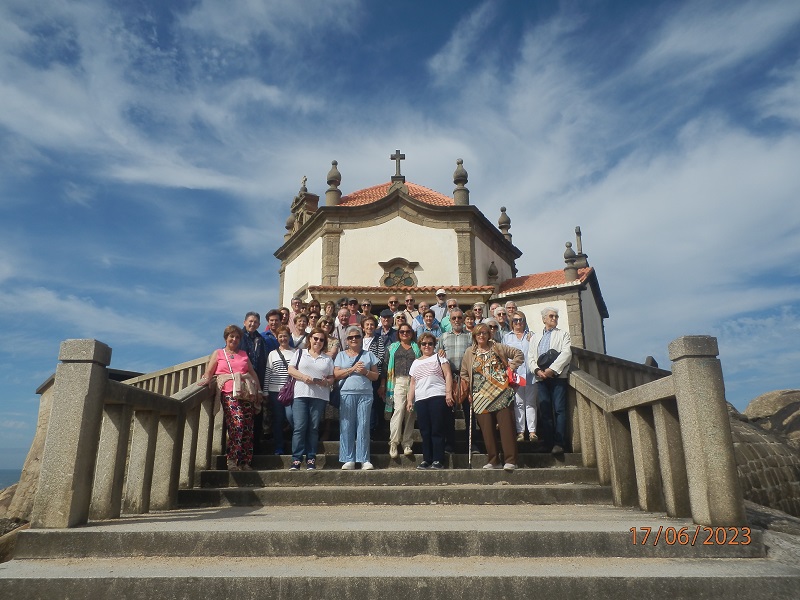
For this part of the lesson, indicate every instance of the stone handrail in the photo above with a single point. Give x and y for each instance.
(114, 447)
(662, 441)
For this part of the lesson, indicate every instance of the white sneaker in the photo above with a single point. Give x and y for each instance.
(491, 466)
(348, 466)
(408, 451)
(509, 466)
(367, 466)
(393, 450)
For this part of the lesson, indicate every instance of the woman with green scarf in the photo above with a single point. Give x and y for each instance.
(401, 355)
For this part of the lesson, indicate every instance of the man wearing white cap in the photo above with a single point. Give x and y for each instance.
(440, 308)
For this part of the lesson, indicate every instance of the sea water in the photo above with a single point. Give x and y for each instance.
(9, 477)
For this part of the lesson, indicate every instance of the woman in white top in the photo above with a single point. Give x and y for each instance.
(278, 362)
(430, 393)
(314, 375)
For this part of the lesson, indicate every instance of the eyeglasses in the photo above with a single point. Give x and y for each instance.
(317, 339)
(423, 344)
(480, 333)
(353, 337)
(456, 318)
(392, 301)
(492, 326)
(552, 316)
(404, 332)
(441, 295)
(451, 305)
(409, 300)
(501, 314)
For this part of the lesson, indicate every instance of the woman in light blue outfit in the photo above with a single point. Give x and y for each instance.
(358, 368)
(525, 396)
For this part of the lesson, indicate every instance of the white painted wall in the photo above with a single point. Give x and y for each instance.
(304, 270)
(483, 258)
(533, 314)
(592, 322)
(434, 249)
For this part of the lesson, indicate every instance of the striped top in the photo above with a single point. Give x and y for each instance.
(277, 374)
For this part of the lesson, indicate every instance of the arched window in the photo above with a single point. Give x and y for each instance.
(398, 272)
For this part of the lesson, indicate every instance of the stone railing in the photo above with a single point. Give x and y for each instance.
(115, 447)
(662, 441)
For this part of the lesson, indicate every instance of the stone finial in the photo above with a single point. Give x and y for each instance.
(460, 178)
(290, 220)
(581, 259)
(504, 223)
(492, 273)
(333, 194)
(570, 271)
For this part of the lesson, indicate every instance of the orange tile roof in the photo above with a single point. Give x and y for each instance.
(376, 192)
(352, 290)
(539, 281)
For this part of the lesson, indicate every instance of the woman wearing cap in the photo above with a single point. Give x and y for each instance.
(430, 393)
(401, 355)
(358, 368)
(525, 398)
(492, 398)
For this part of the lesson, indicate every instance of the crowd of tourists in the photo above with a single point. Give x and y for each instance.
(314, 364)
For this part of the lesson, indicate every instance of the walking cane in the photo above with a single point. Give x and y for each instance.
(471, 425)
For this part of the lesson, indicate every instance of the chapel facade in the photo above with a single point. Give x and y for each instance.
(399, 237)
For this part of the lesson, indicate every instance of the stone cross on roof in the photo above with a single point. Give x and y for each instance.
(397, 157)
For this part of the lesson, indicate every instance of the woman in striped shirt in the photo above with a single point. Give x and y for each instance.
(276, 375)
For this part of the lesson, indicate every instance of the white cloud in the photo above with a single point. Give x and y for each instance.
(464, 45)
(783, 101)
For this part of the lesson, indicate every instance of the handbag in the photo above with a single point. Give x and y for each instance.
(336, 393)
(286, 393)
(244, 388)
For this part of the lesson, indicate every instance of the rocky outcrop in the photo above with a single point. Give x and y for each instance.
(777, 412)
(769, 467)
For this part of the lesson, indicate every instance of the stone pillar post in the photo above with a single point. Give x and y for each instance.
(70, 449)
(715, 495)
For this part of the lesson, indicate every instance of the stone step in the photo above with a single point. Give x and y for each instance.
(304, 495)
(404, 477)
(328, 458)
(412, 578)
(346, 531)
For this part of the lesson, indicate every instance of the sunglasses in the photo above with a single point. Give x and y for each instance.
(517, 320)
(423, 344)
(353, 337)
(404, 332)
(317, 339)
(409, 300)
(456, 318)
(492, 326)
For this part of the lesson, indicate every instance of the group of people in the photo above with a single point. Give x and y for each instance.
(348, 363)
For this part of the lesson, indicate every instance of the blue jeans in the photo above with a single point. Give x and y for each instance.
(307, 414)
(432, 422)
(280, 415)
(552, 415)
(354, 420)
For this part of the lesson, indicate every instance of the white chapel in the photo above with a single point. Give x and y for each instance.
(399, 237)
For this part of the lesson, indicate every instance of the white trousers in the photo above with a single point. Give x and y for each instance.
(401, 425)
(525, 408)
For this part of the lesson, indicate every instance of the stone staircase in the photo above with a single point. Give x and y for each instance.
(546, 528)
(551, 528)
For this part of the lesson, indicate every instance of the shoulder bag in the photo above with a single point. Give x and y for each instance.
(286, 393)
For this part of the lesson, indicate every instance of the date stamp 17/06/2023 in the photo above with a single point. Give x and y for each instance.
(685, 536)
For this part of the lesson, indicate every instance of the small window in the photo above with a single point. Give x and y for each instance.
(398, 272)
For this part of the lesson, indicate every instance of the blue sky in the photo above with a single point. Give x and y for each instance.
(151, 150)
